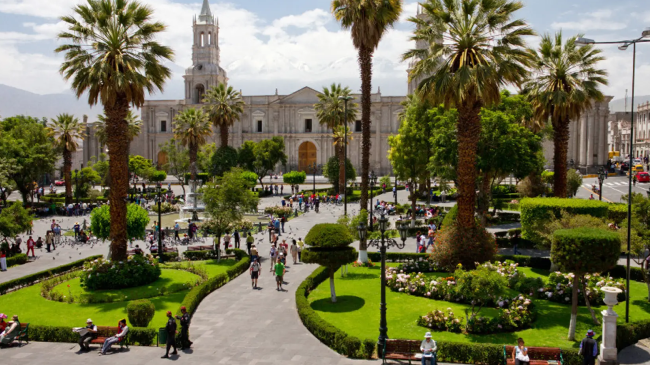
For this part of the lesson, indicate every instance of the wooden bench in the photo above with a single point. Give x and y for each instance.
(200, 248)
(537, 355)
(104, 332)
(23, 335)
(166, 249)
(403, 350)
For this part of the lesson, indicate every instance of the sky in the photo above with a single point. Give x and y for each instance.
(288, 44)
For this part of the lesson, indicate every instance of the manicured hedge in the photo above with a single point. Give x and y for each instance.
(617, 213)
(196, 295)
(329, 335)
(32, 278)
(200, 255)
(136, 335)
(327, 235)
(537, 210)
(630, 333)
(18, 259)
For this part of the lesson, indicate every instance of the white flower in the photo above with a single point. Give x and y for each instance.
(567, 299)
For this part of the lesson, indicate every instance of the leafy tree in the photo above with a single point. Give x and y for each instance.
(134, 127)
(228, 202)
(6, 184)
(83, 180)
(111, 55)
(268, 153)
(331, 112)
(368, 21)
(544, 228)
(140, 166)
(14, 220)
(565, 87)
(204, 157)
(137, 220)
(224, 106)
(294, 178)
(329, 246)
(574, 182)
(246, 155)
(192, 129)
(101, 166)
(584, 251)
(178, 160)
(352, 223)
(250, 177)
(467, 70)
(157, 176)
(331, 171)
(27, 142)
(385, 180)
(223, 160)
(66, 130)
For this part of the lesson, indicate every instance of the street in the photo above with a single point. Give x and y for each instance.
(613, 188)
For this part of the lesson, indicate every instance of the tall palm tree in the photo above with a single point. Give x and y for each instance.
(112, 55)
(224, 106)
(192, 128)
(566, 84)
(134, 125)
(368, 20)
(339, 135)
(66, 130)
(330, 111)
(482, 49)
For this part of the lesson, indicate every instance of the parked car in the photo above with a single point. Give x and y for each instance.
(637, 161)
(638, 168)
(59, 182)
(643, 177)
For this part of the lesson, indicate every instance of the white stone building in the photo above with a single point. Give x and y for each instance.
(642, 131)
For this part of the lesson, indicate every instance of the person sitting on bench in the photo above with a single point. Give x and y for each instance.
(428, 348)
(123, 329)
(10, 333)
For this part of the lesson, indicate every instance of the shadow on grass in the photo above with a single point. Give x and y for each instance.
(540, 271)
(344, 303)
(643, 304)
(360, 276)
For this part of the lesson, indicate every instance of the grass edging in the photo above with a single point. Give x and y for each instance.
(329, 335)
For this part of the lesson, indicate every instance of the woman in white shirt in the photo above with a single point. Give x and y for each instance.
(520, 353)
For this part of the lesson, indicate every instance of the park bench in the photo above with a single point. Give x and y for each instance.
(537, 355)
(403, 350)
(200, 248)
(166, 249)
(104, 332)
(23, 335)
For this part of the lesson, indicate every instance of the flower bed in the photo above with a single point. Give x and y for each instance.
(559, 288)
(137, 270)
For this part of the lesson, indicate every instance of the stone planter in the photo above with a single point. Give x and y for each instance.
(610, 298)
(608, 351)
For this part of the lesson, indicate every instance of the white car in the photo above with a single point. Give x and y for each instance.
(637, 161)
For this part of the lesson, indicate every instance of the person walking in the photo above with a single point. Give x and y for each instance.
(3, 259)
(283, 220)
(589, 349)
(428, 348)
(49, 241)
(294, 251)
(255, 271)
(249, 243)
(177, 229)
(185, 329)
(301, 245)
(30, 246)
(226, 241)
(170, 328)
(235, 235)
(279, 275)
(273, 254)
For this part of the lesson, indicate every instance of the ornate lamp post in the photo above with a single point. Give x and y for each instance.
(161, 249)
(373, 182)
(345, 155)
(382, 244)
(601, 176)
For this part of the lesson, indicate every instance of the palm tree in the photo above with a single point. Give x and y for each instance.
(368, 20)
(224, 106)
(482, 49)
(66, 130)
(192, 128)
(112, 55)
(566, 85)
(134, 127)
(339, 135)
(331, 113)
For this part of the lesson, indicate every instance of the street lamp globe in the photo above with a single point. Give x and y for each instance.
(383, 223)
(646, 33)
(362, 231)
(403, 232)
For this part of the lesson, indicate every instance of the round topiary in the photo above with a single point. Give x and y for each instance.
(462, 245)
(328, 235)
(140, 312)
(450, 218)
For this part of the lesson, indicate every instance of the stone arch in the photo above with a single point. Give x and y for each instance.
(209, 38)
(307, 155)
(199, 91)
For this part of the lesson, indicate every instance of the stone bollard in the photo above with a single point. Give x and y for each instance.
(608, 351)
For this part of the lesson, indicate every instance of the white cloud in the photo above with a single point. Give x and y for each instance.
(597, 20)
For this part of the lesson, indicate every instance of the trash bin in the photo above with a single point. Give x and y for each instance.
(162, 336)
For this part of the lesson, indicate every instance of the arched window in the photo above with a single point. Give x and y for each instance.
(202, 39)
(199, 92)
(209, 38)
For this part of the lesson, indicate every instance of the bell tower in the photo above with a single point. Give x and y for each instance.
(205, 71)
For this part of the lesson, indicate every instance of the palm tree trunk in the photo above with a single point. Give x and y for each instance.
(117, 129)
(67, 176)
(223, 128)
(365, 63)
(340, 150)
(469, 131)
(561, 145)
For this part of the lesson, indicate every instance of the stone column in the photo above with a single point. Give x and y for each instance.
(603, 149)
(591, 137)
(583, 140)
(608, 351)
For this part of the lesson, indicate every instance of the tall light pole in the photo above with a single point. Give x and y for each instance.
(373, 182)
(345, 154)
(161, 249)
(645, 35)
(382, 244)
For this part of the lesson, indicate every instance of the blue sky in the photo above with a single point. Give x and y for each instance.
(287, 44)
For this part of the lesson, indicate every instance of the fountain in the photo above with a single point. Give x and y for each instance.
(193, 205)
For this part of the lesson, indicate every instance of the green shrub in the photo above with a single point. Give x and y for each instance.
(450, 217)
(329, 335)
(294, 177)
(462, 245)
(137, 219)
(199, 255)
(136, 336)
(630, 333)
(140, 312)
(535, 212)
(326, 235)
(104, 274)
(32, 278)
(18, 259)
(585, 250)
(616, 213)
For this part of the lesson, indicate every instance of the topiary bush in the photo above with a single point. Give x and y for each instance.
(465, 246)
(328, 235)
(105, 274)
(140, 312)
(450, 217)
(137, 219)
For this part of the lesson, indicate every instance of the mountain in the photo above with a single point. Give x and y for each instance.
(618, 105)
(15, 101)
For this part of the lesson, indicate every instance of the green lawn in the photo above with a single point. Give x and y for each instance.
(31, 307)
(357, 312)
